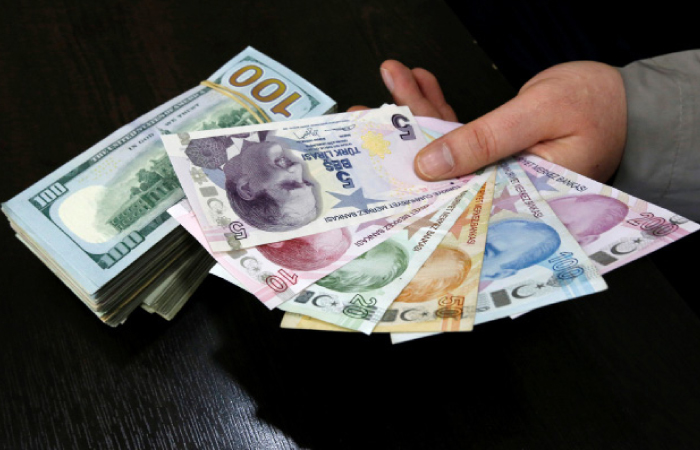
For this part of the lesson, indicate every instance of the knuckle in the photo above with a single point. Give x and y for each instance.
(481, 141)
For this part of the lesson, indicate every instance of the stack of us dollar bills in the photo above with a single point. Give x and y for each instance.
(325, 219)
(100, 221)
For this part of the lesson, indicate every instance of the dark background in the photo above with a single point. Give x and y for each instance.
(614, 370)
(524, 37)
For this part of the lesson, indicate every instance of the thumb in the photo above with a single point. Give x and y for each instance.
(527, 119)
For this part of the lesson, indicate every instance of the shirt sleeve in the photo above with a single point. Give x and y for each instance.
(661, 161)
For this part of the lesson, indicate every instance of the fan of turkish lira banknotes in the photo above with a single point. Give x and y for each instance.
(325, 219)
(321, 215)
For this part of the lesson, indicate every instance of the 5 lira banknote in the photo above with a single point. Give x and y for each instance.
(261, 184)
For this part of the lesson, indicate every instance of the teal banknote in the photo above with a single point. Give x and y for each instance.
(106, 208)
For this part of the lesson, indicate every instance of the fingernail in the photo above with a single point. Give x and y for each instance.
(436, 161)
(388, 81)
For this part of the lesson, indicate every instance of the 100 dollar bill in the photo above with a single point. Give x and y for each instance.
(101, 211)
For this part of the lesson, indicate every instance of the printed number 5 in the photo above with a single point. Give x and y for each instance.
(400, 122)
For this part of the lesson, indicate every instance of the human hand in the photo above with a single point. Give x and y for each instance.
(573, 114)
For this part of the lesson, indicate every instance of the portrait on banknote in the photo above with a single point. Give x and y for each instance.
(588, 216)
(270, 188)
(309, 252)
(444, 271)
(371, 270)
(265, 183)
(515, 244)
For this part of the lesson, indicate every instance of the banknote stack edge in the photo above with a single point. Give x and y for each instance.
(99, 222)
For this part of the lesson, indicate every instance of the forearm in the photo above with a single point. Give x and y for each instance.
(661, 161)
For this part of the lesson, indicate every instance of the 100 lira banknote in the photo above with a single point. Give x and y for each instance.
(531, 259)
(267, 183)
(103, 210)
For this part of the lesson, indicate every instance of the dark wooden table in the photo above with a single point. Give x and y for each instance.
(615, 370)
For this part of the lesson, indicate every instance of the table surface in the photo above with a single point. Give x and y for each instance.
(618, 369)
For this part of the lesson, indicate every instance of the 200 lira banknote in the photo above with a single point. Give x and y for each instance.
(267, 183)
(613, 227)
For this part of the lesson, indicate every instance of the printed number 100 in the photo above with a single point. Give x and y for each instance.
(242, 78)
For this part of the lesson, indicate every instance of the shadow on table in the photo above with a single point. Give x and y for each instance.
(337, 390)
